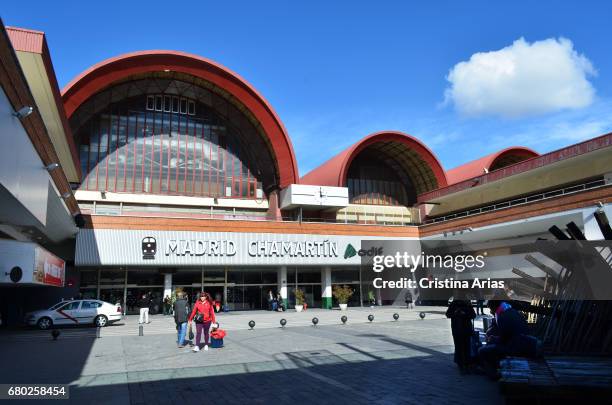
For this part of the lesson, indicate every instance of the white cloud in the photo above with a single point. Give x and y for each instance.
(522, 79)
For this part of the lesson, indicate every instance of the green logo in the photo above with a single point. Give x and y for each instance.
(350, 251)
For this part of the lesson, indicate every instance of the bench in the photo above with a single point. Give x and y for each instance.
(554, 378)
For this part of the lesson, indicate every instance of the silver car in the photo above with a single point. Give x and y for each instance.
(75, 312)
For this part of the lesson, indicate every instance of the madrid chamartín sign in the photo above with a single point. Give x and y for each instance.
(199, 247)
(113, 247)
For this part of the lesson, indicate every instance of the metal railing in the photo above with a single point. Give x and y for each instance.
(520, 201)
(359, 217)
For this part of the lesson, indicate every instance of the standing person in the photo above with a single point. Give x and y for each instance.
(181, 314)
(461, 314)
(279, 299)
(202, 314)
(270, 300)
(167, 305)
(143, 303)
(408, 300)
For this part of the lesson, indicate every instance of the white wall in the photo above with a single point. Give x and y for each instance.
(21, 170)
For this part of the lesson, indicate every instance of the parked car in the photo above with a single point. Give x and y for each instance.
(75, 312)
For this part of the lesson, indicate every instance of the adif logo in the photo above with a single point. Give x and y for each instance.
(373, 251)
(350, 251)
(149, 248)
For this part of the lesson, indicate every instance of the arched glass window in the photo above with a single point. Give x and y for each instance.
(372, 180)
(165, 136)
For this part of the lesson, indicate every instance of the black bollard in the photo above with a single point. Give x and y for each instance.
(370, 317)
(140, 330)
(252, 324)
(422, 315)
(396, 316)
(55, 334)
(315, 321)
(283, 322)
(344, 319)
(98, 332)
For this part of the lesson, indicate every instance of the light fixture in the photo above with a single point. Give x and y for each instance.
(23, 112)
(166, 70)
(52, 166)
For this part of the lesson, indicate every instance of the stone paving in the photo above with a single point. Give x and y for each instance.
(384, 362)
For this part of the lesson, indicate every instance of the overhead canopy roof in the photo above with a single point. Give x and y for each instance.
(35, 60)
(400, 151)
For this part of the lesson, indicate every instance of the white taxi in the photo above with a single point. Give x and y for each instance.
(75, 312)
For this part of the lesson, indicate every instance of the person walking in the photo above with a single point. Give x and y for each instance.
(270, 300)
(143, 303)
(181, 314)
(202, 314)
(167, 305)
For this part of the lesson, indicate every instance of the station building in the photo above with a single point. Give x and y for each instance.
(159, 169)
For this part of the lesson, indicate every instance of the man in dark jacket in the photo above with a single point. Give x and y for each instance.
(181, 314)
(508, 336)
(144, 303)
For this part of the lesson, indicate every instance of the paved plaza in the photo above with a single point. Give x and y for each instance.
(386, 361)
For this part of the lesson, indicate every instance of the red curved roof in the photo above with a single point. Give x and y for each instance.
(114, 69)
(334, 171)
(494, 161)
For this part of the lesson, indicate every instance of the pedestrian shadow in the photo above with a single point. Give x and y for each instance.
(408, 345)
(303, 377)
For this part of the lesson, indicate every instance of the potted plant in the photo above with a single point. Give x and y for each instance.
(343, 294)
(300, 297)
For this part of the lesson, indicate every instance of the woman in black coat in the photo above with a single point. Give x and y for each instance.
(461, 315)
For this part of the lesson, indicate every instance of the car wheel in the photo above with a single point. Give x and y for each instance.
(44, 323)
(101, 321)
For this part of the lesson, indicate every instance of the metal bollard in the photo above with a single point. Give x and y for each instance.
(140, 330)
(98, 332)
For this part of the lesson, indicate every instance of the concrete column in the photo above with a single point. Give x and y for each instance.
(274, 212)
(167, 285)
(125, 292)
(326, 288)
(98, 286)
(282, 284)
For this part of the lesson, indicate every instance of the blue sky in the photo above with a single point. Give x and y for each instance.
(336, 71)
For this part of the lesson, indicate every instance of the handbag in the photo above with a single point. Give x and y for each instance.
(190, 332)
(198, 318)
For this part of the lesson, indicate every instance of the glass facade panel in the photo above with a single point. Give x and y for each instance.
(196, 152)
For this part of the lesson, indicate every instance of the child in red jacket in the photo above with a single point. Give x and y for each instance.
(217, 336)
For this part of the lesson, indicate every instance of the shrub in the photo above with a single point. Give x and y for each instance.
(342, 293)
(300, 297)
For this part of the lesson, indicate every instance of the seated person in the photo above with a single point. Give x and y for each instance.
(507, 336)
